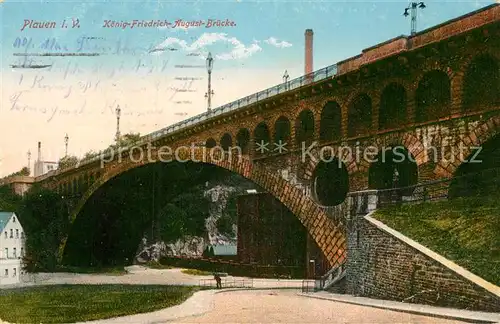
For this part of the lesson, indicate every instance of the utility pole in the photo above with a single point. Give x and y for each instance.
(66, 140)
(208, 95)
(118, 113)
(153, 204)
(29, 159)
(412, 7)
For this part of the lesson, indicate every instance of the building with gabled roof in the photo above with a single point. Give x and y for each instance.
(12, 248)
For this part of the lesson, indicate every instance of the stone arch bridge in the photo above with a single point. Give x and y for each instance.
(430, 94)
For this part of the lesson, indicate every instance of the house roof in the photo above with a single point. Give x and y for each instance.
(224, 249)
(4, 219)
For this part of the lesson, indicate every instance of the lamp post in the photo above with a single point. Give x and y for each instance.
(208, 95)
(66, 140)
(412, 7)
(285, 79)
(118, 114)
(29, 159)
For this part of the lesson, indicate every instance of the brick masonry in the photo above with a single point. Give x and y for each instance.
(288, 175)
(380, 265)
(316, 221)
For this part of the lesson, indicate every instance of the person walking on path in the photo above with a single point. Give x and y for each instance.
(218, 280)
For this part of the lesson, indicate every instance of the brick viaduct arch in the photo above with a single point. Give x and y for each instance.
(422, 104)
(329, 102)
(325, 231)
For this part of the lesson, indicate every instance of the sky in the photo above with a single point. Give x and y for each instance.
(143, 70)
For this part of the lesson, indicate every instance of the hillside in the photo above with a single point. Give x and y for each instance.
(464, 230)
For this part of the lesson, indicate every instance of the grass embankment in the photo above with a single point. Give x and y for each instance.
(196, 272)
(157, 265)
(78, 303)
(464, 230)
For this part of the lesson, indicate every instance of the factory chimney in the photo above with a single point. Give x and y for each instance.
(308, 66)
(38, 168)
(39, 151)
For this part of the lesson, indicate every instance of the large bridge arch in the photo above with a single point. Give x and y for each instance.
(393, 167)
(467, 144)
(478, 174)
(325, 232)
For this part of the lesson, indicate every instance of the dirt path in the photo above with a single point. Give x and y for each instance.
(286, 307)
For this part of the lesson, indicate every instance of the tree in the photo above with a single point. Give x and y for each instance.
(129, 138)
(44, 215)
(9, 201)
(68, 161)
(90, 154)
(23, 172)
(225, 225)
(184, 215)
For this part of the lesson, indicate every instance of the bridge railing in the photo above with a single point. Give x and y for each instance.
(315, 76)
(483, 183)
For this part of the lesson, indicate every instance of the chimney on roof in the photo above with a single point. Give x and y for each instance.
(308, 67)
(39, 151)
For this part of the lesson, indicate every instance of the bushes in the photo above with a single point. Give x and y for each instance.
(234, 268)
(44, 216)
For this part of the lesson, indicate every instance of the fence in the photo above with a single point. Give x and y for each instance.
(227, 283)
(311, 285)
(472, 184)
(236, 268)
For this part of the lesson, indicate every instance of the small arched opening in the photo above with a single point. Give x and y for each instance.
(392, 113)
(433, 97)
(282, 131)
(360, 115)
(481, 84)
(210, 143)
(331, 122)
(304, 127)
(226, 142)
(262, 139)
(243, 140)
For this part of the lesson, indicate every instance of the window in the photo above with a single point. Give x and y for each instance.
(22, 252)
(13, 219)
(6, 272)
(6, 252)
(15, 252)
(14, 272)
(17, 233)
(11, 233)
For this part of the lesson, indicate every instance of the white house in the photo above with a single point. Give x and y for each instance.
(11, 248)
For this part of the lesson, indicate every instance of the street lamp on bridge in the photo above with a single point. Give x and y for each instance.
(66, 140)
(29, 159)
(118, 114)
(285, 79)
(412, 7)
(208, 95)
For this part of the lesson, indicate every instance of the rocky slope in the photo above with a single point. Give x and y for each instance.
(193, 246)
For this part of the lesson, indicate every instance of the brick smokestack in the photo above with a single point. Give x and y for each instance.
(39, 151)
(308, 67)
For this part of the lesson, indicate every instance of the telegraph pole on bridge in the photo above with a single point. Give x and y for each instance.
(210, 92)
